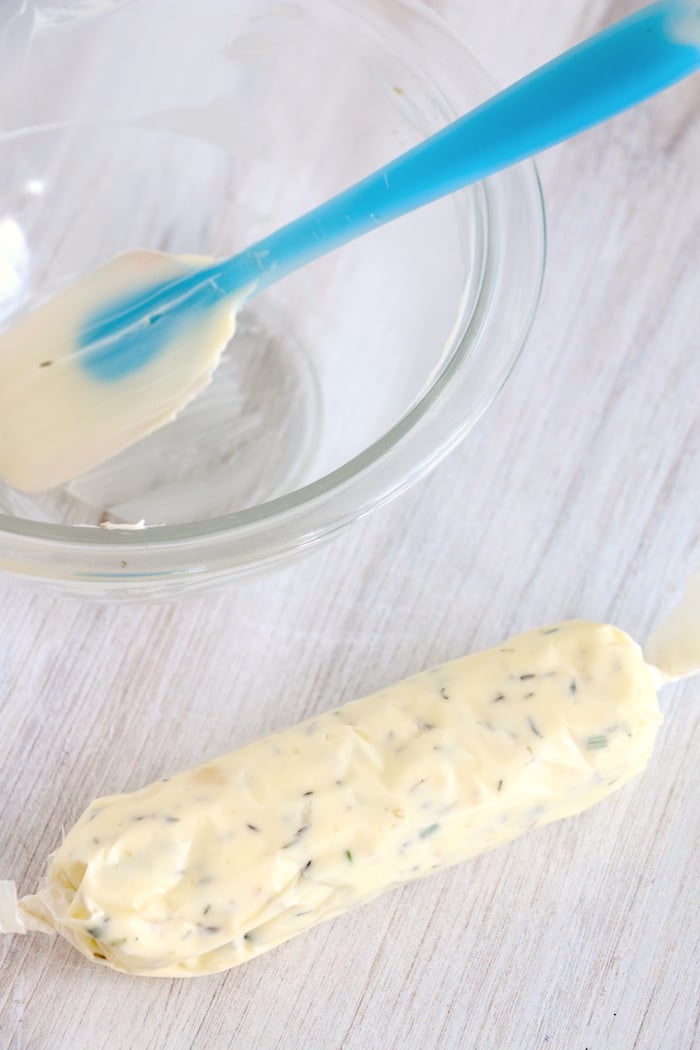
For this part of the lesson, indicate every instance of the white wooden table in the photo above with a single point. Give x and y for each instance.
(577, 495)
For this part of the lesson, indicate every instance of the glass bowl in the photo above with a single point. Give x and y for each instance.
(198, 128)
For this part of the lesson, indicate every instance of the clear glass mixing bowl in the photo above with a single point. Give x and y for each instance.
(197, 128)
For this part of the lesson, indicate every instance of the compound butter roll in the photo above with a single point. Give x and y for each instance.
(213, 866)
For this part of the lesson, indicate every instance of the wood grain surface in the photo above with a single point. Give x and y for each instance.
(577, 495)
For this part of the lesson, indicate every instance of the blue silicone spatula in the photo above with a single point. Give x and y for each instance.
(610, 72)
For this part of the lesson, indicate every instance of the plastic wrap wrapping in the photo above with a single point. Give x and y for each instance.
(204, 870)
(674, 644)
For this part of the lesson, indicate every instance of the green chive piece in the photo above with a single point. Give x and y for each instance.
(430, 830)
(594, 743)
(348, 854)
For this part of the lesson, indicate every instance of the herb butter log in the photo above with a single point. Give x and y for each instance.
(207, 869)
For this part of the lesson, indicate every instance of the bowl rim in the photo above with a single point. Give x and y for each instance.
(32, 538)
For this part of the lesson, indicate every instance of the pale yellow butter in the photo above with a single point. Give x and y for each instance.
(211, 867)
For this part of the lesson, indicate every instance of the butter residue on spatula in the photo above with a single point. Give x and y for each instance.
(59, 417)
